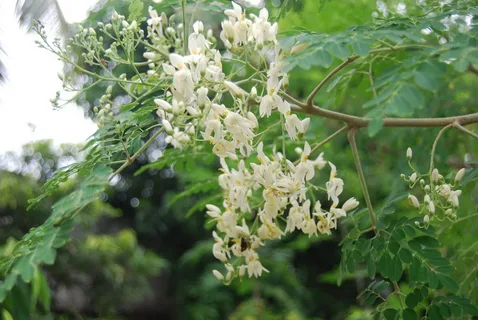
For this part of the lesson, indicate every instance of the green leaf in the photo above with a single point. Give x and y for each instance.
(398, 234)
(339, 50)
(321, 58)
(6, 315)
(445, 310)
(371, 268)
(396, 269)
(375, 125)
(334, 83)
(384, 265)
(409, 314)
(411, 300)
(434, 313)
(428, 241)
(405, 255)
(362, 47)
(135, 9)
(409, 231)
(432, 280)
(449, 283)
(390, 314)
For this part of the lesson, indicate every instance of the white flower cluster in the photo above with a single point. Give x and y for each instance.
(267, 192)
(283, 186)
(441, 198)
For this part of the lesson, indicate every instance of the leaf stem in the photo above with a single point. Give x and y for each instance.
(137, 153)
(363, 183)
(398, 293)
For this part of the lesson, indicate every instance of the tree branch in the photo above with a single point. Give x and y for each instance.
(363, 183)
(362, 122)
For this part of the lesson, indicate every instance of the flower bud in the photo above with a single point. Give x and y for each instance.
(235, 89)
(350, 204)
(218, 275)
(427, 188)
(409, 153)
(448, 212)
(460, 174)
(285, 82)
(413, 177)
(427, 199)
(167, 126)
(435, 175)
(109, 89)
(426, 219)
(431, 207)
(413, 201)
(253, 94)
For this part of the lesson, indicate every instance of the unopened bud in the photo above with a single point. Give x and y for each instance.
(167, 126)
(413, 201)
(460, 174)
(218, 275)
(426, 219)
(409, 153)
(413, 177)
(435, 175)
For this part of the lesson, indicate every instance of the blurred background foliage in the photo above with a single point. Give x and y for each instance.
(144, 251)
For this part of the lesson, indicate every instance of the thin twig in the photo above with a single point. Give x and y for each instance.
(137, 153)
(329, 138)
(465, 130)
(363, 183)
(310, 98)
(432, 153)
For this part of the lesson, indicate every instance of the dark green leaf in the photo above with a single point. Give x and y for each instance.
(390, 314)
(409, 314)
(405, 255)
(411, 300)
(449, 283)
(371, 268)
(428, 241)
(395, 269)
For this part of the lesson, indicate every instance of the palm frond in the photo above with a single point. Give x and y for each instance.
(46, 11)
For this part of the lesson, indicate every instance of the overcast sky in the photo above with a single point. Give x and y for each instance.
(26, 113)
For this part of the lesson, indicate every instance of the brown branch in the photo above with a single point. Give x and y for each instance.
(362, 122)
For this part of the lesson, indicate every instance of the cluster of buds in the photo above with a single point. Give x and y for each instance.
(440, 197)
(103, 110)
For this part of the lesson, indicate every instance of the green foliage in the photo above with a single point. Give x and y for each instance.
(38, 246)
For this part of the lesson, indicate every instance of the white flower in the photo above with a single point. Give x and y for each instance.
(435, 175)
(178, 139)
(294, 124)
(213, 211)
(334, 186)
(453, 198)
(409, 153)
(255, 268)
